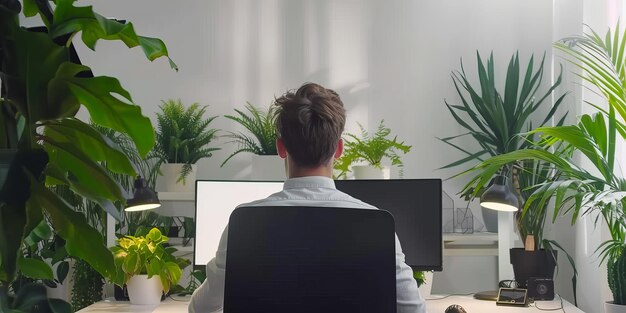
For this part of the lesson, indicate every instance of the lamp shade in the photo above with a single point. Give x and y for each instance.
(500, 197)
(144, 198)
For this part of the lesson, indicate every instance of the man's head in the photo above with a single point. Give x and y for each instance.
(310, 122)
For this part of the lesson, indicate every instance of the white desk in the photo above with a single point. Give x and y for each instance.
(470, 304)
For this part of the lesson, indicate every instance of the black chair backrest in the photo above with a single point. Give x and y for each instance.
(310, 259)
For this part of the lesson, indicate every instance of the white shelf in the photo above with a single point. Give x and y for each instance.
(176, 196)
(483, 244)
(474, 237)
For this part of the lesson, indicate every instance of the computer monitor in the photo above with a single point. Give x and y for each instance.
(215, 200)
(416, 207)
(414, 203)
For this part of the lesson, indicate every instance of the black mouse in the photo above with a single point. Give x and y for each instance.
(455, 308)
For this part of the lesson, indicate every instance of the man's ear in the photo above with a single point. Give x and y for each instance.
(339, 150)
(280, 147)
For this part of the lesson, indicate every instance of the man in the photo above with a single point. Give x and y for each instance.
(309, 124)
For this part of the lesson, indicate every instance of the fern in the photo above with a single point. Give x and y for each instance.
(370, 149)
(262, 128)
(183, 135)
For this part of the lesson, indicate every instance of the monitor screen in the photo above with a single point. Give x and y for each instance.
(416, 207)
(215, 200)
(414, 203)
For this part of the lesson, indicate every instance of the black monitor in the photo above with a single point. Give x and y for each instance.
(416, 207)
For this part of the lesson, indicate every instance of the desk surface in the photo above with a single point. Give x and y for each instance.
(470, 304)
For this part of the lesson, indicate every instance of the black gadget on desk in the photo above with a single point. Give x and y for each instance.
(455, 308)
(512, 296)
(540, 288)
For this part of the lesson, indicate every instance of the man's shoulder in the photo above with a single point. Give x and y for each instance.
(334, 198)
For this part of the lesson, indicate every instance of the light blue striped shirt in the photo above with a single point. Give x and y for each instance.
(315, 191)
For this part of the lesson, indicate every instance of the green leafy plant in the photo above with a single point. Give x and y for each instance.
(580, 191)
(183, 135)
(419, 277)
(370, 149)
(43, 144)
(262, 128)
(136, 255)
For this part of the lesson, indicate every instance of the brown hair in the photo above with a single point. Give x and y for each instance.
(310, 122)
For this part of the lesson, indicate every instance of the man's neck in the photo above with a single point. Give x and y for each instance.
(295, 171)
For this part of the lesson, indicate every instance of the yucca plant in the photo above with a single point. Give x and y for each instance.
(498, 121)
(582, 191)
(183, 135)
(371, 149)
(261, 126)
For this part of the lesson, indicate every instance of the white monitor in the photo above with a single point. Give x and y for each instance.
(215, 200)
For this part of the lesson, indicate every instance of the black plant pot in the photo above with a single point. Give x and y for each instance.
(526, 264)
(121, 294)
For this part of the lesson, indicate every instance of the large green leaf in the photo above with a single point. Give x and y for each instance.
(36, 61)
(81, 240)
(101, 96)
(96, 146)
(86, 175)
(71, 19)
(36, 269)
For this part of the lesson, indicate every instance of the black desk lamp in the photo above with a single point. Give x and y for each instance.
(144, 198)
(499, 196)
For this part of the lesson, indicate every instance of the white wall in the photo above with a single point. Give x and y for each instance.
(387, 59)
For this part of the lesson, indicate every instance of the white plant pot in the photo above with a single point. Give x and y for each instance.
(371, 172)
(426, 288)
(171, 172)
(268, 167)
(144, 290)
(610, 307)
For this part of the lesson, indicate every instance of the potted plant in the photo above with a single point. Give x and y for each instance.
(260, 141)
(599, 191)
(42, 143)
(368, 152)
(499, 123)
(496, 121)
(146, 266)
(182, 139)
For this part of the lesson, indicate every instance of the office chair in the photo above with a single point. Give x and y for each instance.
(310, 259)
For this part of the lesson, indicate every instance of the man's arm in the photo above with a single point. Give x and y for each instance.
(209, 297)
(408, 297)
